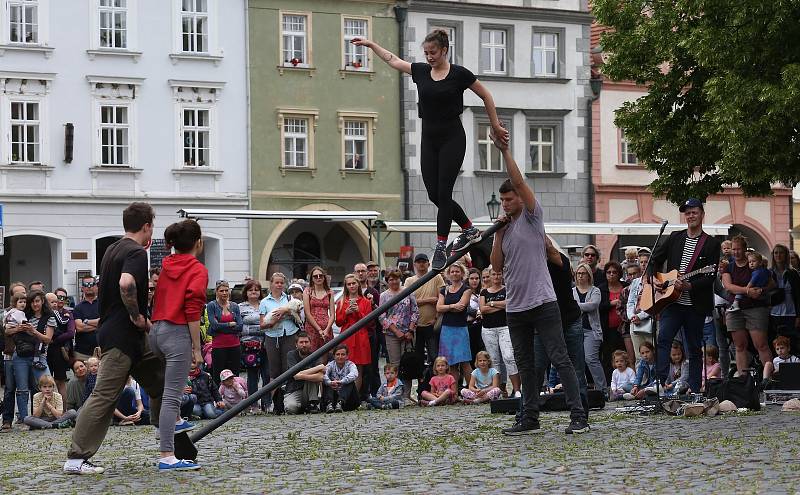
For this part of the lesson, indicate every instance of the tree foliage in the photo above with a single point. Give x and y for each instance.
(723, 106)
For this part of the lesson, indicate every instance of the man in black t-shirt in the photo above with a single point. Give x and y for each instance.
(122, 336)
(561, 275)
(87, 319)
(302, 390)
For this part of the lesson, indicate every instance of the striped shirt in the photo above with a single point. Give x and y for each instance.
(686, 257)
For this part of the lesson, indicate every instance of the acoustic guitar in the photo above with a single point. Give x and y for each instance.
(668, 294)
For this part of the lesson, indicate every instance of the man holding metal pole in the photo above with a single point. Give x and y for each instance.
(531, 308)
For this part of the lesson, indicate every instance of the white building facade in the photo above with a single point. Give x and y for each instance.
(533, 55)
(104, 102)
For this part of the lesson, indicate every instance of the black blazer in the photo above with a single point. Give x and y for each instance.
(671, 252)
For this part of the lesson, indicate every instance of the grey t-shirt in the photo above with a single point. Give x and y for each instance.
(528, 282)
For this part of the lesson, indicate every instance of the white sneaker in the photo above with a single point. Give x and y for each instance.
(628, 396)
(517, 395)
(85, 467)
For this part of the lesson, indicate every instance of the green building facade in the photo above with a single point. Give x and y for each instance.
(325, 131)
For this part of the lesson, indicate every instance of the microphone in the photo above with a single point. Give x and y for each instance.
(663, 226)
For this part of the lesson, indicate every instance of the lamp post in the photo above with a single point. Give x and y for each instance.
(494, 208)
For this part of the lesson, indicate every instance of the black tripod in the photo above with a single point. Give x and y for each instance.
(654, 406)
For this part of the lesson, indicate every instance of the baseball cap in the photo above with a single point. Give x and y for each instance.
(643, 250)
(421, 257)
(225, 374)
(372, 263)
(295, 287)
(691, 203)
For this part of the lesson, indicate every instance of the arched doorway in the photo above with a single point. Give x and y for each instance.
(30, 257)
(306, 243)
(100, 246)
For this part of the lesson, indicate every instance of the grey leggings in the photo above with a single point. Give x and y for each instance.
(39, 423)
(173, 344)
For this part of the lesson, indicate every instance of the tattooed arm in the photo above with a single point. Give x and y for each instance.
(390, 58)
(127, 290)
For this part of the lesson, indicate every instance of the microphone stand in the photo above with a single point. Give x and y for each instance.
(654, 320)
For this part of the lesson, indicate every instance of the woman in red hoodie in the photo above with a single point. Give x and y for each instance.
(178, 305)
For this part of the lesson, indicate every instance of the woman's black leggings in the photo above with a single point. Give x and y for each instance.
(442, 153)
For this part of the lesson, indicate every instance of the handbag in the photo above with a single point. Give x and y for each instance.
(412, 365)
(643, 328)
(743, 390)
(251, 354)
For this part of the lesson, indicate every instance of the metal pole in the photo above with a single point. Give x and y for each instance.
(316, 355)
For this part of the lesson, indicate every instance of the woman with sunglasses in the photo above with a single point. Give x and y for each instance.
(588, 298)
(320, 310)
(610, 320)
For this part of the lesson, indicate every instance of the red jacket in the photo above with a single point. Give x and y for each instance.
(181, 290)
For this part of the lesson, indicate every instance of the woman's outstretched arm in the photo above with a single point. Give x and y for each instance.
(390, 58)
(491, 110)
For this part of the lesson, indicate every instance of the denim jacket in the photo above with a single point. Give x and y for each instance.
(645, 374)
(214, 315)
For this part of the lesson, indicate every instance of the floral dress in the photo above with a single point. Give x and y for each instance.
(319, 309)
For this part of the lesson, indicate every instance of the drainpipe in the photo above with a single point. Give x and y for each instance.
(251, 248)
(401, 15)
(596, 85)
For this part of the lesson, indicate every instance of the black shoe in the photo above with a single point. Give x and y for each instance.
(577, 426)
(313, 408)
(465, 239)
(338, 407)
(523, 428)
(439, 260)
(329, 409)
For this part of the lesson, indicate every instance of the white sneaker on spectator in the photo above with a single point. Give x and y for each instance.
(628, 396)
(517, 395)
(81, 466)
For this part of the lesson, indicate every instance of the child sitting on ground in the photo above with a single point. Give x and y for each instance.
(782, 346)
(48, 407)
(678, 372)
(645, 373)
(759, 277)
(443, 385)
(339, 381)
(92, 365)
(209, 403)
(233, 389)
(623, 377)
(712, 367)
(390, 394)
(484, 383)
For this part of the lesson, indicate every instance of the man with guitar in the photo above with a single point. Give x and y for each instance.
(686, 251)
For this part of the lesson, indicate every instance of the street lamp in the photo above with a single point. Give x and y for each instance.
(494, 208)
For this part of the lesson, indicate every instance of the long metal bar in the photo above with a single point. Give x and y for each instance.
(316, 355)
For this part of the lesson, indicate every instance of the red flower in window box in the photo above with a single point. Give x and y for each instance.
(295, 61)
(357, 64)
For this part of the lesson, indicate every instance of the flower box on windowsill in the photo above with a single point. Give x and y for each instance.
(114, 52)
(311, 170)
(176, 57)
(47, 51)
(300, 68)
(345, 171)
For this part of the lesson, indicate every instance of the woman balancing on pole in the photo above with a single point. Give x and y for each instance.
(441, 87)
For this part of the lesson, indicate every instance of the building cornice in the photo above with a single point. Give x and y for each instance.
(643, 189)
(500, 12)
(85, 197)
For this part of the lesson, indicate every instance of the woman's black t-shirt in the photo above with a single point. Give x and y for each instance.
(453, 318)
(498, 318)
(441, 100)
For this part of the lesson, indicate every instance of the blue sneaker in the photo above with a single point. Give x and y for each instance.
(181, 465)
(465, 239)
(183, 426)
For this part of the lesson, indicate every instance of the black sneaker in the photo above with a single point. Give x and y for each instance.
(313, 408)
(523, 428)
(577, 426)
(329, 409)
(439, 260)
(338, 407)
(465, 239)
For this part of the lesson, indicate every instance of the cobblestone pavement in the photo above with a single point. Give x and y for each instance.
(455, 449)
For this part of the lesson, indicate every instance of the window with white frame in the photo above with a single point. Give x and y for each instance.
(356, 145)
(115, 127)
(493, 51)
(194, 26)
(294, 39)
(627, 156)
(113, 17)
(545, 54)
(196, 132)
(23, 21)
(451, 41)
(295, 142)
(25, 132)
(489, 157)
(355, 57)
(542, 148)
